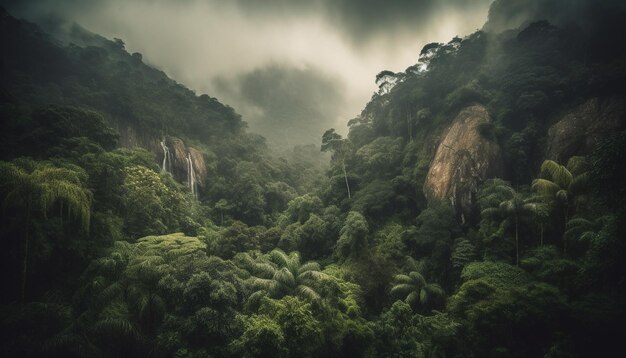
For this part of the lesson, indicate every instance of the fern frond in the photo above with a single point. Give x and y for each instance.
(309, 266)
(545, 187)
(490, 212)
(417, 278)
(285, 277)
(401, 289)
(556, 173)
(402, 279)
(307, 293)
(577, 165)
(311, 275)
(279, 257)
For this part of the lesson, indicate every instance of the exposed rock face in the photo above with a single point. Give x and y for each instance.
(462, 161)
(130, 138)
(197, 159)
(577, 132)
(180, 152)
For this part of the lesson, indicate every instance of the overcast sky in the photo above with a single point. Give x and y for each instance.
(311, 60)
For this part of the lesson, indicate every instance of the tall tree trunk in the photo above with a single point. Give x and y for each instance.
(541, 228)
(25, 257)
(345, 175)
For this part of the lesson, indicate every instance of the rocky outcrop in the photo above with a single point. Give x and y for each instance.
(199, 164)
(463, 159)
(177, 163)
(578, 131)
(180, 153)
(131, 138)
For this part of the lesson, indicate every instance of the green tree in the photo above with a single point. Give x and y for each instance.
(35, 188)
(416, 292)
(341, 148)
(261, 337)
(313, 238)
(131, 288)
(280, 274)
(511, 208)
(300, 208)
(564, 187)
(353, 241)
(397, 332)
(301, 329)
(581, 231)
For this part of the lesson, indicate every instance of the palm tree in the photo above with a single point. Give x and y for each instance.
(511, 207)
(282, 274)
(541, 213)
(417, 292)
(127, 306)
(584, 230)
(563, 186)
(35, 188)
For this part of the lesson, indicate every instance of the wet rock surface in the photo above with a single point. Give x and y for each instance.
(463, 159)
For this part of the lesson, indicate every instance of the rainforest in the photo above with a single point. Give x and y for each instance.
(472, 205)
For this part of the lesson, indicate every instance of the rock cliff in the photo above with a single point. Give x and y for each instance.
(577, 132)
(462, 160)
(178, 149)
(180, 152)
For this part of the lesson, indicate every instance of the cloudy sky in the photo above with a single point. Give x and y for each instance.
(306, 65)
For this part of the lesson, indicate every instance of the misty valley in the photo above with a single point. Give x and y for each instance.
(473, 207)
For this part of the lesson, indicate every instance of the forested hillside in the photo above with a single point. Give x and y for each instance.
(474, 208)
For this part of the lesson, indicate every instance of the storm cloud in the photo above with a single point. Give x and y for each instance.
(362, 20)
(224, 47)
(510, 14)
(286, 104)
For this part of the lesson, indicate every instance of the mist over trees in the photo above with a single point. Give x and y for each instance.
(141, 219)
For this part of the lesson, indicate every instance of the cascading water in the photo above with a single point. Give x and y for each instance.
(167, 158)
(191, 176)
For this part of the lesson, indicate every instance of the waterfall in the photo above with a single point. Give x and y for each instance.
(167, 158)
(191, 176)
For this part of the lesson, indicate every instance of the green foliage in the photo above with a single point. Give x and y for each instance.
(34, 189)
(262, 337)
(504, 296)
(419, 294)
(607, 176)
(299, 209)
(502, 203)
(278, 274)
(463, 252)
(229, 273)
(354, 237)
(398, 332)
(150, 206)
